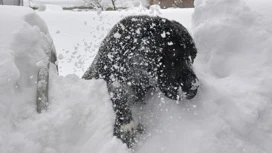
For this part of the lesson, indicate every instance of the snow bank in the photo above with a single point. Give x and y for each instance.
(80, 116)
(261, 6)
(23, 36)
(232, 112)
(234, 66)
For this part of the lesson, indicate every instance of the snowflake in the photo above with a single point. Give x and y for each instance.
(163, 35)
(117, 35)
(170, 43)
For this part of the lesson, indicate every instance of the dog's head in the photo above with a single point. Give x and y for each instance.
(178, 83)
(176, 78)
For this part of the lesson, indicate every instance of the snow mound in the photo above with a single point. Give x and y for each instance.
(80, 116)
(24, 44)
(232, 111)
(233, 64)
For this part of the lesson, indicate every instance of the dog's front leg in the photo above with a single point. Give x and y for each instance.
(124, 127)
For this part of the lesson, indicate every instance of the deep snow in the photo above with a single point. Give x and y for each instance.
(261, 6)
(80, 115)
(232, 112)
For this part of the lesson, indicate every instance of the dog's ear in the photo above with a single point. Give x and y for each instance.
(185, 40)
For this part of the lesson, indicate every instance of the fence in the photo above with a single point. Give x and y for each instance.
(12, 2)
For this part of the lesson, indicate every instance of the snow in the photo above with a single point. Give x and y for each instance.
(79, 117)
(78, 3)
(231, 113)
(77, 35)
(49, 7)
(163, 34)
(117, 35)
(261, 7)
(62, 3)
(233, 64)
(155, 8)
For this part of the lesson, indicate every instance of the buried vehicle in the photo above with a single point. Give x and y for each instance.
(142, 53)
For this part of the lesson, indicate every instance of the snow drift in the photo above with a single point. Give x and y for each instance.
(79, 118)
(232, 112)
(235, 69)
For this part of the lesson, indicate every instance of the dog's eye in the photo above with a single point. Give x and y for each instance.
(169, 53)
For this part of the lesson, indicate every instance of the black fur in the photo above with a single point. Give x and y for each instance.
(143, 52)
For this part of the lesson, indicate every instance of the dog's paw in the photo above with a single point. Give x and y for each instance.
(129, 127)
(128, 132)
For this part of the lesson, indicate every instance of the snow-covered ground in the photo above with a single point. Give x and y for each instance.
(231, 113)
(62, 3)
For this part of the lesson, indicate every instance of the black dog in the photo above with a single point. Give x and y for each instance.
(140, 53)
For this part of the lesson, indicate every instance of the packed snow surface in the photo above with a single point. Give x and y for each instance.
(232, 112)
